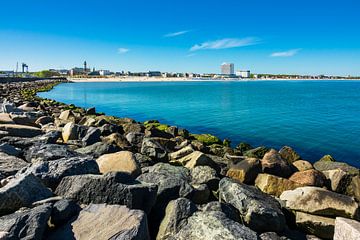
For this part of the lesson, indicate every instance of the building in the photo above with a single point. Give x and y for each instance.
(153, 74)
(243, 74)
(227, 69)
(104, 72)
(60, 71)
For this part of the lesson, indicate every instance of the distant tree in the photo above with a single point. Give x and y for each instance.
(46, 74)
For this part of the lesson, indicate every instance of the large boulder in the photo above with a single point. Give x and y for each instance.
(101, 221)
(10, 165)
(289, 154)
(324, 165)
(205, 175)
(176, 214)
(256, 208)
(354, 188)
(22, 191)
(319, 201)
(302, 165)
(20, 142)
(48, 152)
(20, 130)
(112, 188)
(63, 211)
(92, 136)
(70, 132)
(181, 153)
(213, 225)
(123, 161)
(274, 185)
(118, 140)
(320, 226)
(339, 179)
(346, 229)
(272, 163)
(98, 149)
(245, 171)
(135, 139)
(52, 172)
(258, 152)
(195, 159)
(10, 150)
(26, 224)
(153, 149)
(310, 177)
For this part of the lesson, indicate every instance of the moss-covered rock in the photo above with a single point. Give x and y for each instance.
(207, 139)
(328, 158)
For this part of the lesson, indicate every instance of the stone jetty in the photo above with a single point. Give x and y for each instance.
(73, 173)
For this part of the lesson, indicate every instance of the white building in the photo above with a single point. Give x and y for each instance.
(227, 68)
(104, 72)
(243, 74)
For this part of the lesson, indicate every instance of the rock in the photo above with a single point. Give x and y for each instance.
(258, 152)
(289, 154)
(205, 175)
(200, 194)
(98, 149)
(274, 185)
(339, 180)
(256, 208)
(52, 172)
(155, 132)
(50, 137)
(245, 171)
(153, 149)
(346, 229)
(181, 153)
(123, 161)
(97, 221)
(318, 201)
(327, 158)
(272, 163)
(9, 149)
(48, 152)
(70, 132)
(20, 130)
(302, 165)
(354, 188)
(92, 136)
(111, 188)
(22, 191)
(135, 138)
(220, 150)
(67, 115)
(90, 111)
(44, 120)
(320, 226)
(63, 211)
(7, 107)
(10, 165)
(5, 119)
(20, 142)
(323, 165)
(243, 147)
(133, 127)
(226, 208)
(196, 159)
(213, 226)
(26, 224)
(310, 177)
(108, 129)
(118, 140)
(24, 119)
(176, 214)
(143, 161)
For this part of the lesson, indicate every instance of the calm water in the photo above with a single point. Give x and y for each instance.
(314, 117)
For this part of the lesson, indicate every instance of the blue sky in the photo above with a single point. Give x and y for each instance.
(278, 36)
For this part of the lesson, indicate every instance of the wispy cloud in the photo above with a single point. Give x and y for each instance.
(123, 50)
(288, 53)
(175, 34)
(191, 55)
(226, 43)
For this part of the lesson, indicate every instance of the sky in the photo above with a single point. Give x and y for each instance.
(277, 36)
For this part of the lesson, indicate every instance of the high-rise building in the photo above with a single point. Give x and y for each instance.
(227, 68)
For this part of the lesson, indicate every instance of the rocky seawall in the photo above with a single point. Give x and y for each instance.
(73, 173)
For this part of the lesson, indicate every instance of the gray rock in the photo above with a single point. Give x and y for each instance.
(52, 172)
(63, 211)
(108, 129)
(98, 149)
(213, 226)
(48, 152)
(226, 208)
(10, 165)
(19, 142)
(22, 191)
(153, 149)
(111, 188)
(323, 165)
(205, 175)
(26, 224)
(91, 111)
(20, 130)
(256, 208)
(101, 221)
(346, 229)
(320, 226)
(92, 136)
(44, 120)
(144, 161)
(9, 149)
(176, 215)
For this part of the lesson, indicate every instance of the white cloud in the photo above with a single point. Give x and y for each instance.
(288, 53)
(191, 55)
(175, 34)
(226, 43)
(123, 50)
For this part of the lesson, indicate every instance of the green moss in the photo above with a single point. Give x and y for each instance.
(207, 139)
(153, 123)
(327, 158)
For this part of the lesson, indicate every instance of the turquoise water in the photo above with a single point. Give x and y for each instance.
(314, 117)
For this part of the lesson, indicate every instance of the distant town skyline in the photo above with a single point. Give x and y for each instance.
(279, 37)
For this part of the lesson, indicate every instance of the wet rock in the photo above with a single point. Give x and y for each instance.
(123, 161)
(92, 136)
(176, 214)
(20, 130)
(302, 165)
(272, 163)
(153, 149)
(310, 177)
(63, 211)
(26, 224)
(315, 200)
(10, 165)
(111, 188)
(22, 191)
(289, 154)
(339, 180)
(320, 226)
(256, 208)
(258, 152)
(48, 152)
(213, 226)
(97, 221)
(205, 175)
(245, 171)
(274, 185)
(98, 149)
(52, 172)
(346, 229)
